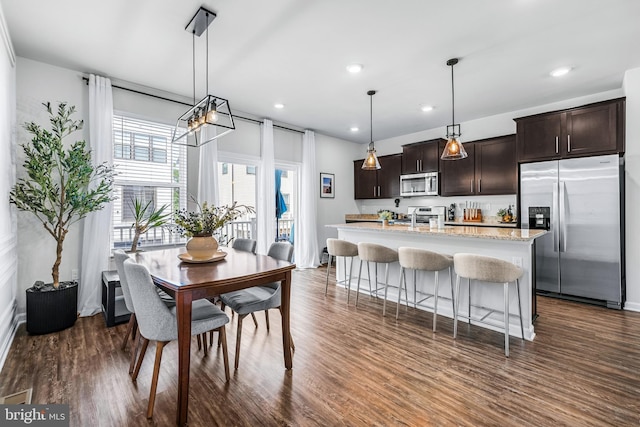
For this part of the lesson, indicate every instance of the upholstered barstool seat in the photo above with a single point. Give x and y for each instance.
(492, 271)
(423, 260)
(378, 254)
(341, 248)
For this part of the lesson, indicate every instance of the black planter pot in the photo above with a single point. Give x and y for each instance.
(51, 310)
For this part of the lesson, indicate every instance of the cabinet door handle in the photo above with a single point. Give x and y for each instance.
(378, 191)
(421, 168)
(479, 181)
(374, 191)
(557, 139)
(471, 185)
(569, 143)
(417, 165)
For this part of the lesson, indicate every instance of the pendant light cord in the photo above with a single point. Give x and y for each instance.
(207, 56)
(193, 57)
(371, 120)
(453, 100)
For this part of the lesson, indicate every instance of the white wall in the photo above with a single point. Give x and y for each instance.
(632, 187)
(8, 240)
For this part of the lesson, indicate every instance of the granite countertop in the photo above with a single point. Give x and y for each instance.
(482, 232)
(361, 217)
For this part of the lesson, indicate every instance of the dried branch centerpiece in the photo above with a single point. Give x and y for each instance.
(200, 227)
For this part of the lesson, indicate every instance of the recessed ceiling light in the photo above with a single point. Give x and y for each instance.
(278, 106)
(426, 108)
(354, 68)
(354, 129)
(559, 72)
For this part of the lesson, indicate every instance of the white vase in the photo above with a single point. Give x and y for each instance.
(202, 247)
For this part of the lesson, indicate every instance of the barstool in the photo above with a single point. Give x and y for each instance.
(487, 269)
(420, 259)
(371, 252)
(336, 248)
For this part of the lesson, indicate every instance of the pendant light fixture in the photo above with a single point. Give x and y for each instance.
(371, 163)
(210, 118)
(454, 149)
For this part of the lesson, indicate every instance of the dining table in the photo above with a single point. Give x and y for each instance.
(187, 282)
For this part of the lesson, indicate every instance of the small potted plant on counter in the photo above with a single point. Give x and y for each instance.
(385, 216)
(61, 187)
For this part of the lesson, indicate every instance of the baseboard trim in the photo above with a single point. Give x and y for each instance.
(6, 346)
(632, 306)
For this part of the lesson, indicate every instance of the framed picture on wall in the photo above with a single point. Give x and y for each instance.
(327, 185)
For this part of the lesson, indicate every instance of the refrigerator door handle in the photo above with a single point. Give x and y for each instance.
(555, 224)
(563, 219)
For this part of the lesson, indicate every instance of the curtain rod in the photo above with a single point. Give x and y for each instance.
(86, 79)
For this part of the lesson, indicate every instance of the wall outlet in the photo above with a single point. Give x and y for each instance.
(74, 274)
(516, 260)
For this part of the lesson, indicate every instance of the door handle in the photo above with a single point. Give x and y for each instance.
(417, 165)
(374, 191)
(471, 184)
(557, 141)
(421, 165)
(563, 218)
(378, 191)
(479, 182)
(568, 143)
(555, 224)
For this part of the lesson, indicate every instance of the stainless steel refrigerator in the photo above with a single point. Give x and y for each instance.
(581, 202)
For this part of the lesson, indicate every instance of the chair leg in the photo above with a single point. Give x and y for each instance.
(222, 337)
(154, 381)
(132, 320)
(506, 319)
(199, 342)
(375, 265)
(266, 316)
(238, 337)
(134, 352)
(204, 343)
(455, 311)
(326, 286)
(143, 350)
(435, 301)
(406, 296)
(399, 292)
(349, 282)
(453, 299)
(386, 287)
(359, 276)
(255, 321)
(519, 307)
(210, 338)
(415, 289)
(469, 302)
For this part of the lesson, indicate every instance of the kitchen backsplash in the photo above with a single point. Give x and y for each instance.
(489, 204)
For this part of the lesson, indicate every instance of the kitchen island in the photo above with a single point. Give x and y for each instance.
(513, 245)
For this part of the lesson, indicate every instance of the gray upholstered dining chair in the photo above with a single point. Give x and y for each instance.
(157, 322)
(257, 298)
(245, 245)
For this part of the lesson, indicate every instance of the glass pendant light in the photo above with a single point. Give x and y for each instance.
(371, 163)
(454, 150)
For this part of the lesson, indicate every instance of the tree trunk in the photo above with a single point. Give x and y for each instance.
(55, 271)
(134, 244)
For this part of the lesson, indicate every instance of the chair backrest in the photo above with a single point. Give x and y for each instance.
(155, 320)
(485, 268)
(281, 250)
(246, 245)
(120, 257)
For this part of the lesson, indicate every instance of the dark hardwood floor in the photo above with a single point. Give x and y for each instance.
(353, 367)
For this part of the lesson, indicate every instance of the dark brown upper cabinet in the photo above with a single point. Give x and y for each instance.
(592, 129)
(489, 169)
(383, 183)
(421, 156)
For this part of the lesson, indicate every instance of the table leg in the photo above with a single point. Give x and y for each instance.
(285, 304)
(183, 312)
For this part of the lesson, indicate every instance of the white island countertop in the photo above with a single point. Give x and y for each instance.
(468, 231)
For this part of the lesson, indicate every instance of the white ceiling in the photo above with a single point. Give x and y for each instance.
(295, 52)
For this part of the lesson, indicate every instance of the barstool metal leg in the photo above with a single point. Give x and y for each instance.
(453, 299)
(469, 302)
(455, 312)
(349, 283)
(406, 297)
(415, 288)
(506, 319)
(400, 292)
(519, 307)
(435, 302)
(369, 276)
(359, 276)
(328, 268)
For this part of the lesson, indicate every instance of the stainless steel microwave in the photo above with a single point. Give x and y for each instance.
(419, 184)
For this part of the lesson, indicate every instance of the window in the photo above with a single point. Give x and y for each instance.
(238, 185)
(251, 170)
(150, 169)
(225, 168)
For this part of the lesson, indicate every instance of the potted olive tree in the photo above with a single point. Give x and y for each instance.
(61, 187)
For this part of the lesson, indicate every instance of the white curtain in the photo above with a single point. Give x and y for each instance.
(266, 209)
(96, 240)
(306, 234)
(208, 170)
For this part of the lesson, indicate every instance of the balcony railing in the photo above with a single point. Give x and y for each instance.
(123, 234)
